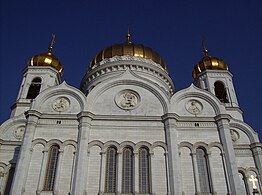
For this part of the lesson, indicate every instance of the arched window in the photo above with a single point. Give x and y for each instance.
(144, 185)
(110, 183)
(220, 92)
(243, 181)
(34, 88)
(127, 180)
(202, 165)
(51, 168)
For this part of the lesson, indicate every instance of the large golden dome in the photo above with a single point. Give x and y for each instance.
(47, 59)
(210, 63)
(128, 48)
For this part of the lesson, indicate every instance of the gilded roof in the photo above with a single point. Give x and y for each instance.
(128, 48)
(47, 59)
(209, 62)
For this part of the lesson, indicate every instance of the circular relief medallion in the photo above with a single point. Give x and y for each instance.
(234, 135)
(61, 104)
(127, 99)
(194, 107)
(19, 132)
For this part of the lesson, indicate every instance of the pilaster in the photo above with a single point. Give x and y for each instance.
(81, 164)
(222, 121)
(24, 157)
(257, 153)
(173, 154)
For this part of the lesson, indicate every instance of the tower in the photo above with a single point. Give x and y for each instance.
(43, 71)
(212, 74)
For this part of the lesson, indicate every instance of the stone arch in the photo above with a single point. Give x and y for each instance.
(187, 145)
(159, 144)
(53, 142)
(215, 144)
(251, 134)
(143, 144)
(62, 89)
(193, 92)
(200, 144)
(95, 143)
(140, 82)
(127, 144)
(69, 142)
(111, 143)
(39, 141)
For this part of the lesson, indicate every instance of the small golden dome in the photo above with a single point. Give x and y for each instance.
(47, 59)
(128, 48)
(210, 63)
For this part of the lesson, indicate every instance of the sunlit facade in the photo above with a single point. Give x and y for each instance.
(126, 130)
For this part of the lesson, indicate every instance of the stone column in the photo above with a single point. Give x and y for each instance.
(212, 176)
(24, 157)
(225, 173)
(42, 172)
(173, 154)
(102, 173)
(119, 173)
(222, 121)
(257, 153)
(136, 180)
(81, 165)
(196, 174)
(58, 170)
(167, 173)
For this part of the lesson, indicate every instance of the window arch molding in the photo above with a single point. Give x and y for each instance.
(200, 145)
(111, 144)
(143, 144)
(53, 142)
(127, 144)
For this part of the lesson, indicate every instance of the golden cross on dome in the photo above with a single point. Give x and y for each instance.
(128, 35)
(205, 51)
(52, 43)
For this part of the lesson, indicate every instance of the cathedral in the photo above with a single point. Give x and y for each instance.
(127, 131)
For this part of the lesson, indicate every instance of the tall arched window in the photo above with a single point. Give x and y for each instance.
(127, 178)
(34, 88)
(243, 181)
(144, 185)
(110, 183)
(203, 171)
(51, 168)
(221, 92)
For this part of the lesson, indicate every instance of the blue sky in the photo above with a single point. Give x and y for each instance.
(174, 28)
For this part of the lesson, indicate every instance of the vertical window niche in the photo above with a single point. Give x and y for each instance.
(111, 160)
(51, 168)
(203, 170)
(127, 176)
(220, 92)
(34, 88)
(144, 173)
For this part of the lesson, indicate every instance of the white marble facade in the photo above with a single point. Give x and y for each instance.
(128, 102)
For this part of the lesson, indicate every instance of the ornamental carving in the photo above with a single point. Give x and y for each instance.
(19, 132)
(194, 107)
(234, 135)
(61, 104)
(127, 99)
